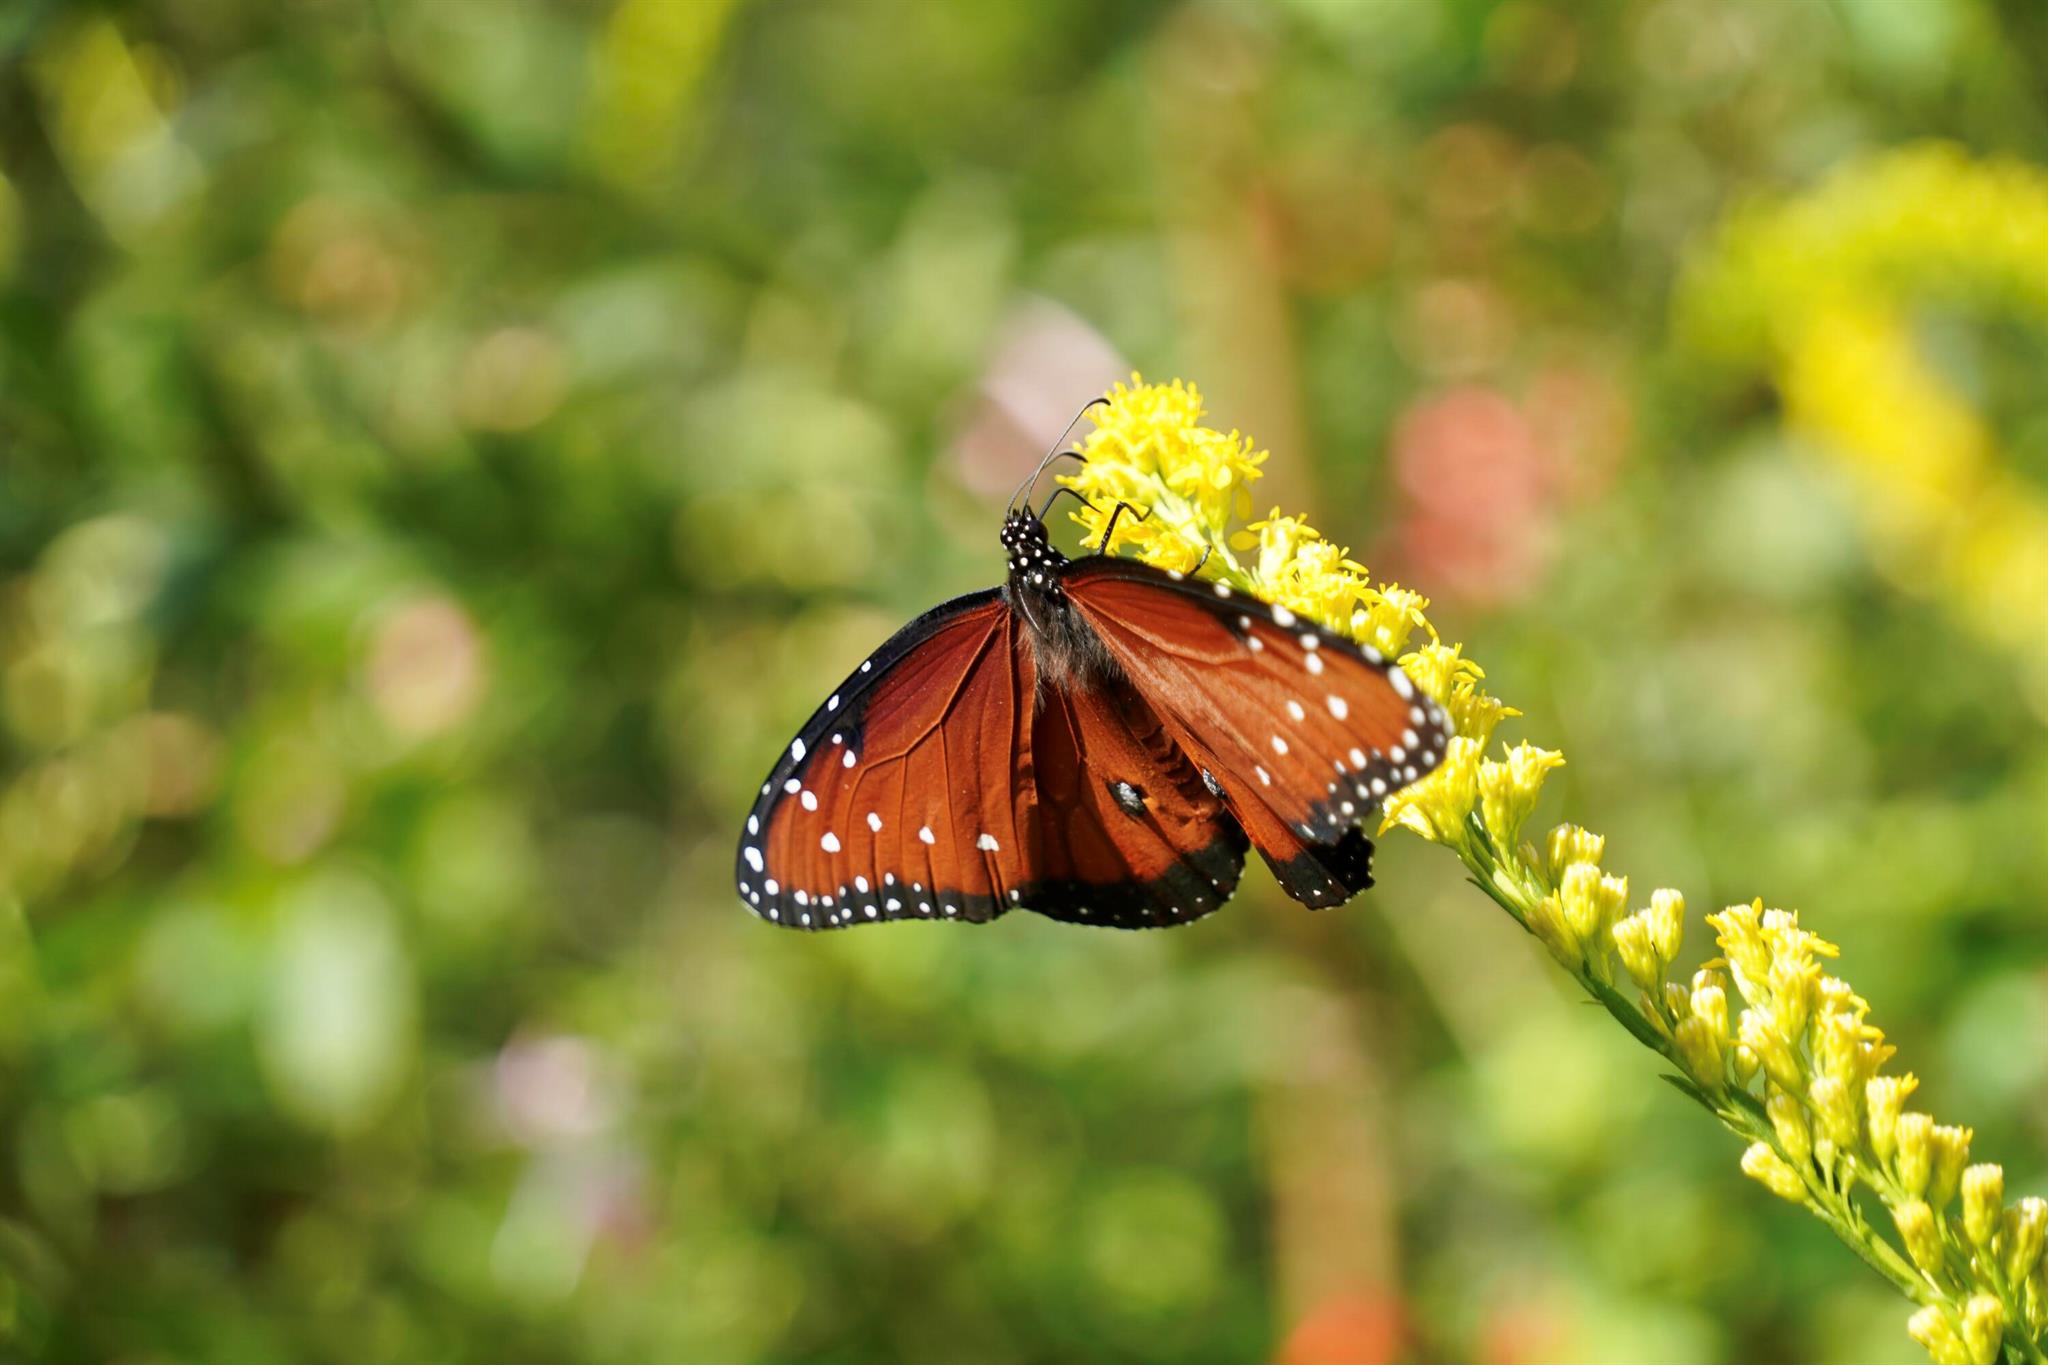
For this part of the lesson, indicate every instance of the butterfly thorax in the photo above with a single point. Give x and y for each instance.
(1067, 649)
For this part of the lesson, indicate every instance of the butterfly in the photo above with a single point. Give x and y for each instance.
(1097, 740)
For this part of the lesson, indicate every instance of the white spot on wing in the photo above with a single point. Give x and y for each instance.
(924, 834)
(796, 750)
(1279, 745)
(849, 760)
(987, 842)
(830, 843)
(1313, 663)
(754, 858)
(1358, 758)
(1401, 683)
(874, 822)
(770, 887)
(832, 702)
(753, 824)
(866, 664)
(1265, 778)
(792, 786)
(1309, 641)
(809, 798)
(1338, 706)
(1283, 617)
(860, 884)
(1294, 709)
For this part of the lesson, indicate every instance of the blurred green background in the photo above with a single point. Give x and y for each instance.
(446, 447)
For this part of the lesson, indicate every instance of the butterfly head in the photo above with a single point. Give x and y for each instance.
(1033, 560)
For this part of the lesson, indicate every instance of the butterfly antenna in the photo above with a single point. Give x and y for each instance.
(1024, 488)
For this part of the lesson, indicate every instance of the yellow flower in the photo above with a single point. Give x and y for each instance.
(1984, 1328)
(1445, 673)
(1916, 1152)
(1570, 844)
(2026, 1230)
(1934, 1327)
(1885, 1097)
(1440, 806)
(1983, 1202)
(1509, 790)
(1788, 1118)
(1920, 1233)
(1763, 1164)
(1182, 480)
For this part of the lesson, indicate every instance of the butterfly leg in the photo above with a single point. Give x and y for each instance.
(1122, 507)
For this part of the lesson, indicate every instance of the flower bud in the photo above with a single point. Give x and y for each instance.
(2026, 1230)
(1984, 1329)
(1792, 994)
(1667, 923)
(1983, 1202)
(1916, 1152)
(1745, 1063)
(1700, 1046)
(1638, 952)
(1569, 844)
(1918, 1231)
(1788, 1118)
(1591, 902)
(1710, 1005)
(1758, 1030)
(1834, 1108)
(1763, 1164)
(1951, 1153)
(1934, 1329)
(1678, 1000)
(1884, 1097)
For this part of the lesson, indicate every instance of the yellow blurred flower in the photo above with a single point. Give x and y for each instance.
(1819, 289)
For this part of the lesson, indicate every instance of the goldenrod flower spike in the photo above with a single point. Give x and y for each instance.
(1778, 1049)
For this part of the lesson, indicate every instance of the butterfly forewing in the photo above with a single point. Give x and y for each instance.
(895, 799)
(1305, 731)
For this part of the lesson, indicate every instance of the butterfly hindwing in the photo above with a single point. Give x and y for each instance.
(1306, 732)
(1128, 833)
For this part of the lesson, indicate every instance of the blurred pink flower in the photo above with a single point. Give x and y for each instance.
(1047, 362)
(555, 1090)
(1483, 479)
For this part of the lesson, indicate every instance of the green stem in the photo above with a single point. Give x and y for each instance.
(1738, 1111)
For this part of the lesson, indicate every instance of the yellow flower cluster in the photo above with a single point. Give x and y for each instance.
(1819, 290)
(1771, 1043)
(1150, 451)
